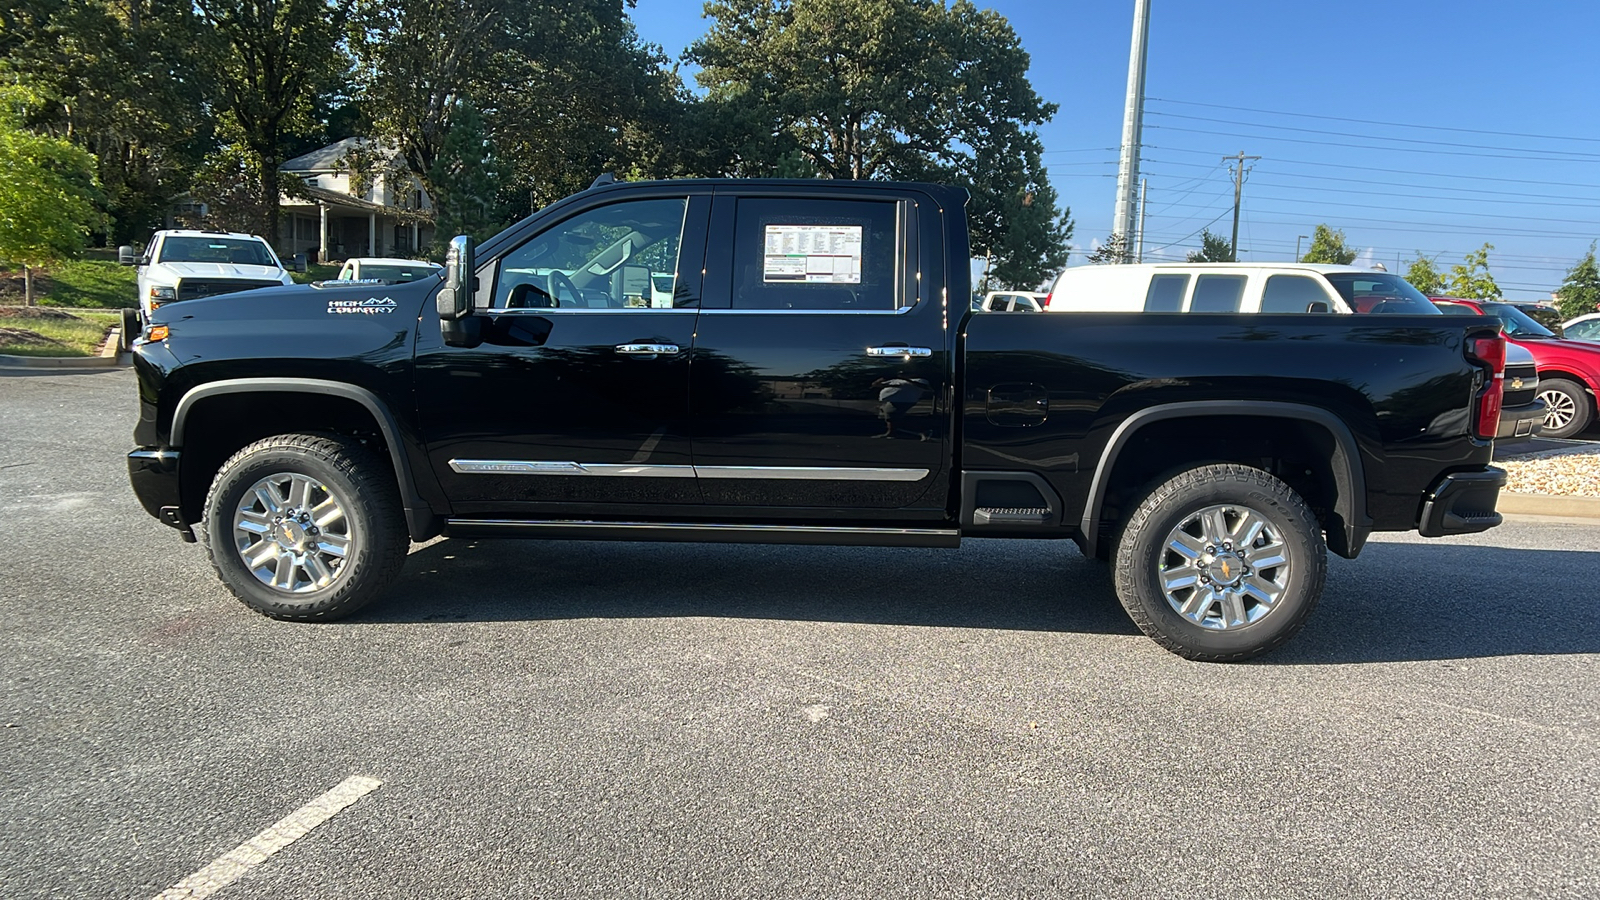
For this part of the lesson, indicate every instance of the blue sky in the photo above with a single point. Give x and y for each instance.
(1493, 132)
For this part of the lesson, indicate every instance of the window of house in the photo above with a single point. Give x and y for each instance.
(803, 254)
(621, 256)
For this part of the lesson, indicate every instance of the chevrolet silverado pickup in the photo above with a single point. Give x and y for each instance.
(796, 362)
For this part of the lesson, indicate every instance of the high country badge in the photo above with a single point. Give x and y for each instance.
(371, 306)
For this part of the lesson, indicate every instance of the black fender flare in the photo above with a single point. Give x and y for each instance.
(421, 520)
(1349, 476)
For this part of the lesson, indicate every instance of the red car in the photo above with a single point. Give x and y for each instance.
(1569, 371)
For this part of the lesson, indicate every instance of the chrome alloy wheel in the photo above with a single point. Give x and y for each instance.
(292, 533)
(1224, 567)
(1560, 409)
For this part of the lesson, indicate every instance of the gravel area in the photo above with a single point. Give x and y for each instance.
(1569, 471)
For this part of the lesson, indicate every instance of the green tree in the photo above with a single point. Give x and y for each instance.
(272, 62)
(1580, 291)
(1472, 280)
(911, 89)
(1425, 276)
(48, 194)
(119, 78)
(1212, 248)
(1327, 246)
(1114, 249)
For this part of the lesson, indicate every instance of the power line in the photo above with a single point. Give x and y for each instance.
(1587, 158)
(1375, 137)
(1272, 112)
(1307, 162)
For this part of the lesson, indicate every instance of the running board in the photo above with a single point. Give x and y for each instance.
(576, 529)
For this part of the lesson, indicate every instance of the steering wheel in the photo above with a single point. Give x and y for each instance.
(557, 280)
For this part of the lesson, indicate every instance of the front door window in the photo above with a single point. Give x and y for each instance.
(622, 256)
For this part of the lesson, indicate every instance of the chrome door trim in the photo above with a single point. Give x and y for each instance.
(548, 467)
(811, 473)
(900, 311)
(637, 470)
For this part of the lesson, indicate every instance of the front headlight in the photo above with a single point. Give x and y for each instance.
(163, 293)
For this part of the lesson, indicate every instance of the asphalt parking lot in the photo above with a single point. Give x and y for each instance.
(612, 720)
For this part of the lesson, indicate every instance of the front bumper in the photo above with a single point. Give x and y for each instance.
(154, 476)
(1521, 422)
(1462, 503)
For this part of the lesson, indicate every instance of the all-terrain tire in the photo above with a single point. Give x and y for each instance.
(131, 327)
(1568, 408)
(1220, 563)
(305, 527)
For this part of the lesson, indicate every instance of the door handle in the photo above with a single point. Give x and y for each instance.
(647, 349)
(907, 352)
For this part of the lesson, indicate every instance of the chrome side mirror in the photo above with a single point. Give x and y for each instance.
(454, 300)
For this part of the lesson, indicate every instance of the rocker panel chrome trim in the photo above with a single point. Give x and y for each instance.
(583, 529)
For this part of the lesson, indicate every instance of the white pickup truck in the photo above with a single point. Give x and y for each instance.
(185, 265)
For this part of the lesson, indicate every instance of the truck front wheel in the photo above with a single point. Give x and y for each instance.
(305, 527)
(1221, 563)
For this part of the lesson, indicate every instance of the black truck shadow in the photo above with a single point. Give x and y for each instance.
(1399, 602)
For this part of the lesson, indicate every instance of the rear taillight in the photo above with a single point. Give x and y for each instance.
(1490, 353)
(1047, 298)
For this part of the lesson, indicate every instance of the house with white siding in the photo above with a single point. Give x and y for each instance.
(337, 212)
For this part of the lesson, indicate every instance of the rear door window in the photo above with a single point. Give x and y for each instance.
(1217, 293)
(1293, 294)
(1166, 293)
(800, 254)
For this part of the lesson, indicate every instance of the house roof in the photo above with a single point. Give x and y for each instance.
(332, 157)
(306, 195)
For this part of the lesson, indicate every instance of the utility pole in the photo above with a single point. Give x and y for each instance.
(1132, 127)
(1138, 253)
(1238, 188)
(1297, 239)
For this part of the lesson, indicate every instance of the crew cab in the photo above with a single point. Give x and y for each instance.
(1569, 370)
(182, 265)
(796, 362)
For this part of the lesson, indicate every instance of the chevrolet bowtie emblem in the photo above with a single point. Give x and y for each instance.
(1225, 572)
(1516, 384)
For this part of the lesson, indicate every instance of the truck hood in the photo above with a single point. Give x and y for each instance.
(216, 270)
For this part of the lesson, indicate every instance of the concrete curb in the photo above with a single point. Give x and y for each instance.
(1549, 505)
(60, 362)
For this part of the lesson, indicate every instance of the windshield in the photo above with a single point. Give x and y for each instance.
(239, 251)
(1379, 292)
(399, 274)
(1516, 322)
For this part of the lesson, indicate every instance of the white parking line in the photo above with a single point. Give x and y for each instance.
(228, 867)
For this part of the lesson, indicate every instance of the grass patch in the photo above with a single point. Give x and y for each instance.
(93, 284)
(81, 283)
(50, 332)
(315, 273)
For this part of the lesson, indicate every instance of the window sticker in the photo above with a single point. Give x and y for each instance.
(812, 254)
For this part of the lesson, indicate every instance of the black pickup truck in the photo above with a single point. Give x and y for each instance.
(796, 362)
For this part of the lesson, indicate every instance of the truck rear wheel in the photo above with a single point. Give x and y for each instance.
(1221, 563)
(305, 527)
